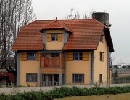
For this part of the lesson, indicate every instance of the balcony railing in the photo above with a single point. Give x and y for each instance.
(54, 62)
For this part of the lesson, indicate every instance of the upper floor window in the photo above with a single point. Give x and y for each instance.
(101, 38)
(77, 55)
(101, 56)
(54, 37)
(31, 56)
(84, 56)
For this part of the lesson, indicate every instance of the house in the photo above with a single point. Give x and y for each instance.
(56, 52)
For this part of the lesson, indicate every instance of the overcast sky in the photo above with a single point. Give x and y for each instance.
(119, 15)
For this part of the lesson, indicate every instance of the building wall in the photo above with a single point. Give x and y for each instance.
(54, 45)
(28, 67)
(78, 67)
(100, 67)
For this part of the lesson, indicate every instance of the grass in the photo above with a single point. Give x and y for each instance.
(124, 96)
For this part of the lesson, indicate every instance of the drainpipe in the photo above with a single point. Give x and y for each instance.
(39, 71)
(60, 70)
(18, 68)
(92, 68)
(107, 66)
(65, 68)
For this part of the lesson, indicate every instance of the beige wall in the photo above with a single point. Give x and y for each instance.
(100, 67)
(55, 45)
(28, 67)
(78, 67)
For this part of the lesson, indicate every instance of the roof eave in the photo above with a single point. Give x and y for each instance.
(108, 39)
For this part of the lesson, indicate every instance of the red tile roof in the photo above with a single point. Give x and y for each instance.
(85, 34)
(30, 37)
(57, 25)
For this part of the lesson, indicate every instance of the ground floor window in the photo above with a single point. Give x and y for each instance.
(78, 78)
(31, 77)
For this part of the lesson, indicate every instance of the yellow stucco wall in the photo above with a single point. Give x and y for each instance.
(55, 45)
(28, 67)
(78, 67)
(100, 67)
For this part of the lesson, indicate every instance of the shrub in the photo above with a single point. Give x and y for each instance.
(64, 92)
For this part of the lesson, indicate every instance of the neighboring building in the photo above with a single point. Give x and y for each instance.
(56, 52)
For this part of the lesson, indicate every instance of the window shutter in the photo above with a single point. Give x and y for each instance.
(23, 56)
(59, 37)
(37, 56)
(69, 56)
(48, 37)
(86, 56)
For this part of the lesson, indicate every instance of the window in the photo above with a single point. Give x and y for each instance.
(78, 78)
(77, 55)
(101, 38)
(31, 56)
(54, 37)
(101, 56)
(31, 77)
(100, 78)
(54, 54)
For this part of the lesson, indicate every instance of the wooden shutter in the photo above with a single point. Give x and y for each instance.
(69, 56)
(48, 37)
(59, 37)
(37, 56)
(23, 56)
(86, 56)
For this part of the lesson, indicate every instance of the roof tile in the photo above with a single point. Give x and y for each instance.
(85, 34)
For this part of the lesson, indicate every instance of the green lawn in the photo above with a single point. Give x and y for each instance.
(124, 96)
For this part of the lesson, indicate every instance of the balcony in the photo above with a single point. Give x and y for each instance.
(52, 62)
(51, 65)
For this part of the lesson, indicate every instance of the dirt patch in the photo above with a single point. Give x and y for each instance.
(124, 96)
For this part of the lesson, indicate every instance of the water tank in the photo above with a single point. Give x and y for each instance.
(102, 17)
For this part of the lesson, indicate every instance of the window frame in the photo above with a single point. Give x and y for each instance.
(54, 37)
(31, 57)
(78, 78)
(101, 38)
(101, 56)
(30, 78)
(77, 55)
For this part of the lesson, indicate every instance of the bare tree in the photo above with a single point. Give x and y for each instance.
(13, 15)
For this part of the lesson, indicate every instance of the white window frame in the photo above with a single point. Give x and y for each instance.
(54, 37)
(77, 55)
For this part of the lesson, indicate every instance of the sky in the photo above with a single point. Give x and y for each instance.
(119, 14)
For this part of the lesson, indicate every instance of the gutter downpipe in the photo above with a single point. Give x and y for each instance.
(18, 68)
(92, 68)
(39, 71)
(107, 66)
(60, 70)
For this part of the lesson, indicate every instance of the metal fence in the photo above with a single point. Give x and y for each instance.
(120, 80)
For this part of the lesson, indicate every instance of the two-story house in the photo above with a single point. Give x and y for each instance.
(56, 52)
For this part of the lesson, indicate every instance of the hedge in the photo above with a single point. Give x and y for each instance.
(65, 92)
